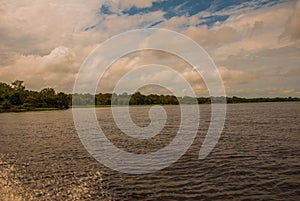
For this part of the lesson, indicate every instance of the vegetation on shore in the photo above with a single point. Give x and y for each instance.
(16, 98)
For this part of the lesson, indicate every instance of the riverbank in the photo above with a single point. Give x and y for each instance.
(105, 106)
(28, 109)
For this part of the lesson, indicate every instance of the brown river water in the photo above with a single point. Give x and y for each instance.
(256, 158)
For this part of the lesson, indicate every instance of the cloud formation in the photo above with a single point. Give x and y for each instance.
(236, 76)
(57, 69)
(255, 44)
(293, 23)
(126, 4)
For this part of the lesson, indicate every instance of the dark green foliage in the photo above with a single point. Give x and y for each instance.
(134, 99)
(137, 99)
(154, 99)
(16, 98)
(235, 99)
(103, 99)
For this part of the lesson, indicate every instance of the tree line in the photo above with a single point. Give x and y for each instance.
(124, 99)
(15, 97)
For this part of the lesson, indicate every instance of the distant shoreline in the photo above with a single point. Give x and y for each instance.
(106, 106)
(15, 98)
(28, 110)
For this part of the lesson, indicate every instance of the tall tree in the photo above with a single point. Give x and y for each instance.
(18, 85)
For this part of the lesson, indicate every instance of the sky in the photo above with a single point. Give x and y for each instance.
(255, 44)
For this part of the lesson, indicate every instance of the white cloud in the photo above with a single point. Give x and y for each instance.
(126, 4)
(236, 76)
(252, 32)
(293, 23)
(57, 70)
(136, 60)
(114, 24)
(38, 26)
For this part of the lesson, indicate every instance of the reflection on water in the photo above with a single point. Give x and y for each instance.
(257, 157)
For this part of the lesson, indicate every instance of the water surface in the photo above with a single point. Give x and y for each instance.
(256, 158)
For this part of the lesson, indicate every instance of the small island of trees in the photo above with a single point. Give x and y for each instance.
(15, 97)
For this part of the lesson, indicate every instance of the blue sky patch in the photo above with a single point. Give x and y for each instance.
(215, 10)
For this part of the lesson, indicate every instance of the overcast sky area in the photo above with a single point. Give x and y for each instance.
(254, 44)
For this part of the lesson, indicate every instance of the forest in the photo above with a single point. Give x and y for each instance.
(15, 97)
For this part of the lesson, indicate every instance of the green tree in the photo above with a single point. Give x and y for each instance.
(18, 85)
(137, 99)
(18, 96)
(62, 101)
(47, 96)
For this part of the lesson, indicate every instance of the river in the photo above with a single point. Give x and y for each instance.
(256, 158)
